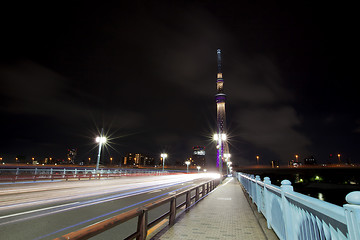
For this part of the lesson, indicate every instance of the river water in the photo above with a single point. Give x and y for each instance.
(332, 193)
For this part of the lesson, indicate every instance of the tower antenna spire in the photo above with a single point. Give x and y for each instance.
(219, 60)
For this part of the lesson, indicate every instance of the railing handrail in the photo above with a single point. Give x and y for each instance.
(58, 175)
(303, 217)
(332, 210)
(141, 213)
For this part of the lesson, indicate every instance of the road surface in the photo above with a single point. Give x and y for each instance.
(50, 210)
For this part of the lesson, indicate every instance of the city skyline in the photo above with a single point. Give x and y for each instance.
(145, 72)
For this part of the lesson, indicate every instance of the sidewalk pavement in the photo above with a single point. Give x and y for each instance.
(224, 214)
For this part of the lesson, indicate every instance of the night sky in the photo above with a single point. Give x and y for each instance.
(146, 73)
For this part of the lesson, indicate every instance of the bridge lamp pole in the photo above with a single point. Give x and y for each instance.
(229, 166)
(187, 166)
(163, 156)
(227, 159)
(101, 140)
(198, 168)
(220, 138)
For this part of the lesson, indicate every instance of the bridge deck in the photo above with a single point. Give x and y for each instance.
(224, 214)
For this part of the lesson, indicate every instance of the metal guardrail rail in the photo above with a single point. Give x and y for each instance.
(40, 174)
(142, 214)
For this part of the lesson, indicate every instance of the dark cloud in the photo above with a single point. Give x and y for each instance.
(146, 72)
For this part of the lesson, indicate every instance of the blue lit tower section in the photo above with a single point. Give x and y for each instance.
(220, 99)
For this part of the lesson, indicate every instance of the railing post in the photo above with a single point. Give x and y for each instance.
(172, 215)
(352, 214)
(197, 194)
(188, 200)
(267, 181)
(252, 187)
(286, 187)
(258, 192)
(142, 225)
(16, 175)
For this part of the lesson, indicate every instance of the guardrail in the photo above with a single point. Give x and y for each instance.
(142, 214)
(37, 174)
(295, 216)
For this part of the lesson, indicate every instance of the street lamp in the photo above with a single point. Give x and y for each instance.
(198, 168)
(163, 155)
(101, 140)
(229, 166)
(257, 159)
(227, 159)
(187, 166)
(220, 138)
(339, 157)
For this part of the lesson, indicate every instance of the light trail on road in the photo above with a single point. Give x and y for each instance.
(67, 206)
(71, 206)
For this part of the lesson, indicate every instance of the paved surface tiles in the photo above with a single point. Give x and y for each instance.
(223, 214)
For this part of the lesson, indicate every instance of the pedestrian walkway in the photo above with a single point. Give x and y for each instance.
(223, 214)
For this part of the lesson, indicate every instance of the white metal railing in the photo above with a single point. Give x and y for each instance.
(36, 174)
(293, 215)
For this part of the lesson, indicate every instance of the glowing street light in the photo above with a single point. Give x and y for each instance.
(257, 159)
(163, 156)
(339, 157)
(227, 159)
(198, 168)
(101, 140)
(220, 138)
(111, 160)
(187, 166)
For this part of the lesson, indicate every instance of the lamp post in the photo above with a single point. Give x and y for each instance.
(101, 140)
(229, 166)
(257, 159)
(163, 156)
(227, 159)
(187, 166)
(198, 168)
(220, 138)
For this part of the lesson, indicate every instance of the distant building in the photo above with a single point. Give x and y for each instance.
(275, 163)
(71, 155)
(198, 156)
(294, 163)
(310, 161)
(138, 159)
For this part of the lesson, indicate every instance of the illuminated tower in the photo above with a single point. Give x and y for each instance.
(220, 99)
